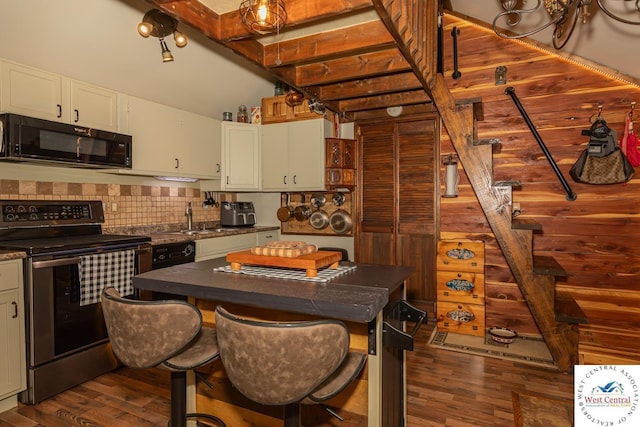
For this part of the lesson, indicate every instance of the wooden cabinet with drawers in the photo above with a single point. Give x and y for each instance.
(460, 287)
(340, 163)
(276, 110)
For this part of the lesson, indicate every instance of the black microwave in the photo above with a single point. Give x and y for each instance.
(30, 139)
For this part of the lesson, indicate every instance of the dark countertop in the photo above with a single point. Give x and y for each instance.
(161, 235)
(169, 234)
(356, 296)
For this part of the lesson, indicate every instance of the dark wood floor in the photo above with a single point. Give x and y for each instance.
(444, 389)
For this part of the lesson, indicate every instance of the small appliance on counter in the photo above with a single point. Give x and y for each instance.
(237, 214)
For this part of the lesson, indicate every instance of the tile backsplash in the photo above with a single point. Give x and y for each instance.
(124, 205)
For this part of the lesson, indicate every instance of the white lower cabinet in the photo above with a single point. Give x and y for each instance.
(218, 247)
(264, 237)
(12, 334)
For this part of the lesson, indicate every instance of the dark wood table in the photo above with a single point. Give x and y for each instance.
(367, 295)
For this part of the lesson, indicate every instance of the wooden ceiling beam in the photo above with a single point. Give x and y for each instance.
(192, 13)
(366, 87)
(351, 68)
(330, 44)
(384, 101)
(299, 12)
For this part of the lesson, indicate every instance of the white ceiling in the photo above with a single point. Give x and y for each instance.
(96, 41)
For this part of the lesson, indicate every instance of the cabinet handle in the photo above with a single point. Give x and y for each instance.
(77, 115)
(217, 167)
(59, 110)
(15, 309)
(284, 180)
(177, 163)
(294, 179)
(227, 179)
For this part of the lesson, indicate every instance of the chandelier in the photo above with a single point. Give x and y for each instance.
(564, 14)
(263, 16)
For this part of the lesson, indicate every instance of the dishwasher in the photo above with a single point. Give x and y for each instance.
(167, 255)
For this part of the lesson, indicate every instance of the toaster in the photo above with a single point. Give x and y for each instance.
(237, 214)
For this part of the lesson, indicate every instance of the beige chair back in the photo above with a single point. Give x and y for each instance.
(276, 363)
(145, 333)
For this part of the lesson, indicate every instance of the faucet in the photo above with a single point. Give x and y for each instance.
(189, 215)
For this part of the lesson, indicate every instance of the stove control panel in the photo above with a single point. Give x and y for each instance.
(41, 211)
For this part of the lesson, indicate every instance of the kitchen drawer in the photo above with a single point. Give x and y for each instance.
(460, 287)
(461, 318)
(217, 247)
(10, 274)
(340, 177)
(264, 237)
(458, 255)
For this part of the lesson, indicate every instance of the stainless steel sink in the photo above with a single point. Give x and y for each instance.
(205, 231)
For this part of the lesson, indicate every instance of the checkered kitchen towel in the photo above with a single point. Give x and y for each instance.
(102, 270)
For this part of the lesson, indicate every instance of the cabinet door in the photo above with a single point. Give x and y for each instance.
(377, 179)
(155, 131)
(416, 224)
(32, 92)
(12, 333)
(306, 154)
(200, 139)
(275, 157)
(10, 380)
(397, 213)
(241, 156)
(93, 106)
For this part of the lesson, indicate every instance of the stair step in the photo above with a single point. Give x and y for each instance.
(506, 183)
(548, 265)
(487, 141)
(525, 224)
(568, 310)
(478, 111)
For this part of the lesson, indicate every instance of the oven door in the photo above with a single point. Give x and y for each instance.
(58, 324)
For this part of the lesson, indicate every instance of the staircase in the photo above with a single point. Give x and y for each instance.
(556, 314)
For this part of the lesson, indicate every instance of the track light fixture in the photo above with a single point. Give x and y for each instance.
(158, 24)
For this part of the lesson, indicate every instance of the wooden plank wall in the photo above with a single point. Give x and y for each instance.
(595, 238)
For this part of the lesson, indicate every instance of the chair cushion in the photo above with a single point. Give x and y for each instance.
(339, 380)
(202, 350)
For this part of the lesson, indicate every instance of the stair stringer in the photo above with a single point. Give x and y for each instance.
(516, 244)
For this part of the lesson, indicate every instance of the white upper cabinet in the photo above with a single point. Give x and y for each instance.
(36, 93)
(240, 157)
(200, 138)
(293, 155)
(172, 142)
(93, 106)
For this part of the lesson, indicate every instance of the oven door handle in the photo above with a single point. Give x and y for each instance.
(56, 262)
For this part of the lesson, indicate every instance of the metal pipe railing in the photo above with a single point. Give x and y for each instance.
(571, 196)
